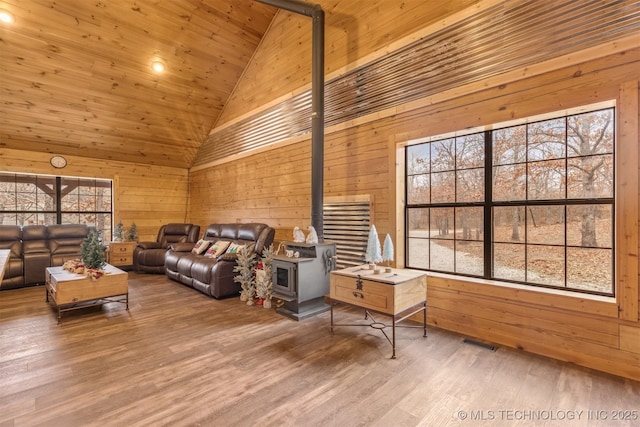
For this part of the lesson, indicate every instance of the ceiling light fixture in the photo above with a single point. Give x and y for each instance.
(158, 66)
(6, 16)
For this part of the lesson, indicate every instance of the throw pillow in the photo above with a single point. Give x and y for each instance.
(200, 246)
(234, 248)
(217, 249)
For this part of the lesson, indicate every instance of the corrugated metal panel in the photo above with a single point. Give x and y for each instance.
(347, 224)
(511, 35)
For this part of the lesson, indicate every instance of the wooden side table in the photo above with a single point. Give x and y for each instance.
(399, 293)
(121, 253)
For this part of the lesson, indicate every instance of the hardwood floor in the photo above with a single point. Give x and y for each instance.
(179, 358)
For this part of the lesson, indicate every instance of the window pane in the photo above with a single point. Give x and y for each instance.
(418, 233)
(469, 223)
(546, 180)
(443, 155)
(418, 159)
(470, 185)
(443, 187)
(417, 221)
(470, 151)
(509, 183)
(8, 218)
(469, 258)
(590, 226)
(418, 189)
(590, 269)
(70, 195)
(418, 256)
(590, 133)
(8, 200)
(590, 177)
(45, 193)
(508, 224)
(546, 140)
(442, 255)
(510, 145)
(545, 265)
(87, 195)
(26, 193)
(71, 218)
(441, 223)
(104, 196)
(508, 262)
(545, 225)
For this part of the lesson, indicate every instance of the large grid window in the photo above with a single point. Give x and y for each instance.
(45, 199)
(531, 204)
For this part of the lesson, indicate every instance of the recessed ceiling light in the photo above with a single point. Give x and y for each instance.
(6, 16)
(158, 66)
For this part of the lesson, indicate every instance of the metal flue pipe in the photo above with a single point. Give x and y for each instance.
(317, 104)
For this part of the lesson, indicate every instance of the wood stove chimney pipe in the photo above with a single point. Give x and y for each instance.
(317, 104)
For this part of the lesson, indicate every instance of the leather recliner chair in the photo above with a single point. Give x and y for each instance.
(65, 241)
(37, 256)
(148, 257)
(11, 238)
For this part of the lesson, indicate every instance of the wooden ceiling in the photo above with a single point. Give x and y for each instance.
(76, 78)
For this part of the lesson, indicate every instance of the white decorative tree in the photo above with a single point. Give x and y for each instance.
(387, 250)
(373, 247)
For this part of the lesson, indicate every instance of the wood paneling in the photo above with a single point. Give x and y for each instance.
(149, 196)
(627, 218)
(361, 158)
(353, 30)
(75, 77)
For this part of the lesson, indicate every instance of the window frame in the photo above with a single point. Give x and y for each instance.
(57, 214)
(488, 204)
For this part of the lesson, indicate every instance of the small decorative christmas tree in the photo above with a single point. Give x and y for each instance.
(373, 247)
(92, 252)
(132, 234)
(264, 286)
(245, 264)
(118, 232)
(387, 250)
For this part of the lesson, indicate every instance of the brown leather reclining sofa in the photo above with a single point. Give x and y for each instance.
(214, 276)
(36, 247)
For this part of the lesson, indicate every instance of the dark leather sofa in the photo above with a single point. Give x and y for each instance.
(214, 276)
(148, 257)
(36, 247)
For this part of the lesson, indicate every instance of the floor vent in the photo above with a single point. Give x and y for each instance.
(480, 344)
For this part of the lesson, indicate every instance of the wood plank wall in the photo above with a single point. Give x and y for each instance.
(362, 157)
(147, 195)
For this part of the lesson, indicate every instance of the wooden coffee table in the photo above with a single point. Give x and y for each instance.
(70, 291)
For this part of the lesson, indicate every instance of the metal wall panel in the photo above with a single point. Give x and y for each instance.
(347, 225)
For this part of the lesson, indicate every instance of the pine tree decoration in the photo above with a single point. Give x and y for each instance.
(373, 247)
(264, 286)
(387, 250)
(245, 264)
(118, 232)
(92, 252)
(132, 234)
